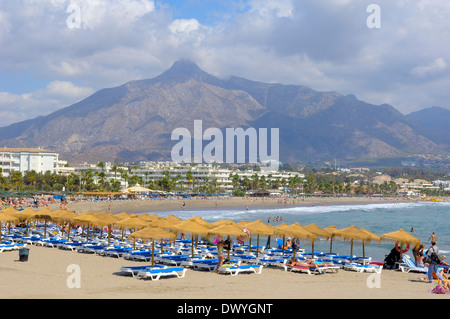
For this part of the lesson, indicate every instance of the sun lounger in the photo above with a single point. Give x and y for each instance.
(211, 264)
(195, 262)
(155, 274)
(117, 252)
(134, 270)
(236, 270)
(410, 265)
(11, 246)
(265, 261)
(321, 269)
(308, 270)
(176, 260)
(363, 268)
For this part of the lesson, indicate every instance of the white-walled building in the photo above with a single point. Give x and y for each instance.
(28, 159)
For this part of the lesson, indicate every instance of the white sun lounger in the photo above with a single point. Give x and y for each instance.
(155, 274)
(236, 270)
(134, 270)
(363, 268)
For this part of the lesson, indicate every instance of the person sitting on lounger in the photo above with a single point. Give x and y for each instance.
(288, 244)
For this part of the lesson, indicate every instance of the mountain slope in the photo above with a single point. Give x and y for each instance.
(135, 120)
(434, 123)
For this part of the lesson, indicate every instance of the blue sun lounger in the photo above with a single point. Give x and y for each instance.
(134, 270)
(410, 265)
(155, 274)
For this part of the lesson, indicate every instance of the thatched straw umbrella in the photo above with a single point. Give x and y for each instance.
(295, 230)
(352, 233)
(227, 229)
(134, 223)
(319, 232)
(152, 233)
(192, 226)
(401, 237)
(107, 220)
(6, 218)
(259, 228)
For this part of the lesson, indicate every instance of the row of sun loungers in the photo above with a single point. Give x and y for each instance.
(176, 258)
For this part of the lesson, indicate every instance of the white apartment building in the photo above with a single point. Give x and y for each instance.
(28, 159)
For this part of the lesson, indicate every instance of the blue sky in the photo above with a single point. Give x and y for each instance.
(54, 53)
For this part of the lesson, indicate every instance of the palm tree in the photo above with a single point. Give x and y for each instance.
(189, 177)
(16, 178)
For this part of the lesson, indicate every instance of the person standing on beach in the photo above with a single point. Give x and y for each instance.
(220, 254)
(433, 254)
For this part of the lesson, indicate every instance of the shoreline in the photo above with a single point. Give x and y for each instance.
(138, 206)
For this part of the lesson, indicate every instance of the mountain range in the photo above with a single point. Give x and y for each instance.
(134, 121)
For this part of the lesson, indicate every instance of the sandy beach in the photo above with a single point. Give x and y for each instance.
(165, 205)
(45, 274)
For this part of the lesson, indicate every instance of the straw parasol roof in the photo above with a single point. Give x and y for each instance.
(352, 233)
(223, 222)
(152, 233)
(295, 230)
(401, 236)
(66, 216)
(227, 230)
(192, 226)
(319, 232)
(374, 236)
(107, 220)
(259, 228)
(122, 215)
(331, 229)
(87, 220)
(161, 222)
(195, 226)
(173, 219)
(9, 210)
(316, 230)
(133, 222)
(7, 218)
(148, 217)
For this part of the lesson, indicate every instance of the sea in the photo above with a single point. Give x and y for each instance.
(379, 218)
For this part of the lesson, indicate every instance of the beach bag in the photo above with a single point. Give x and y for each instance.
(433, 256)
(438, 290)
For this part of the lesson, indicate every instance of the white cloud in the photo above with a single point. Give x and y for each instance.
(281, 8)
(57, 94)
(184, 26)
(437, 65)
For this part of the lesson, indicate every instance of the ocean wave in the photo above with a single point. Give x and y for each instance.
(264, 212)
